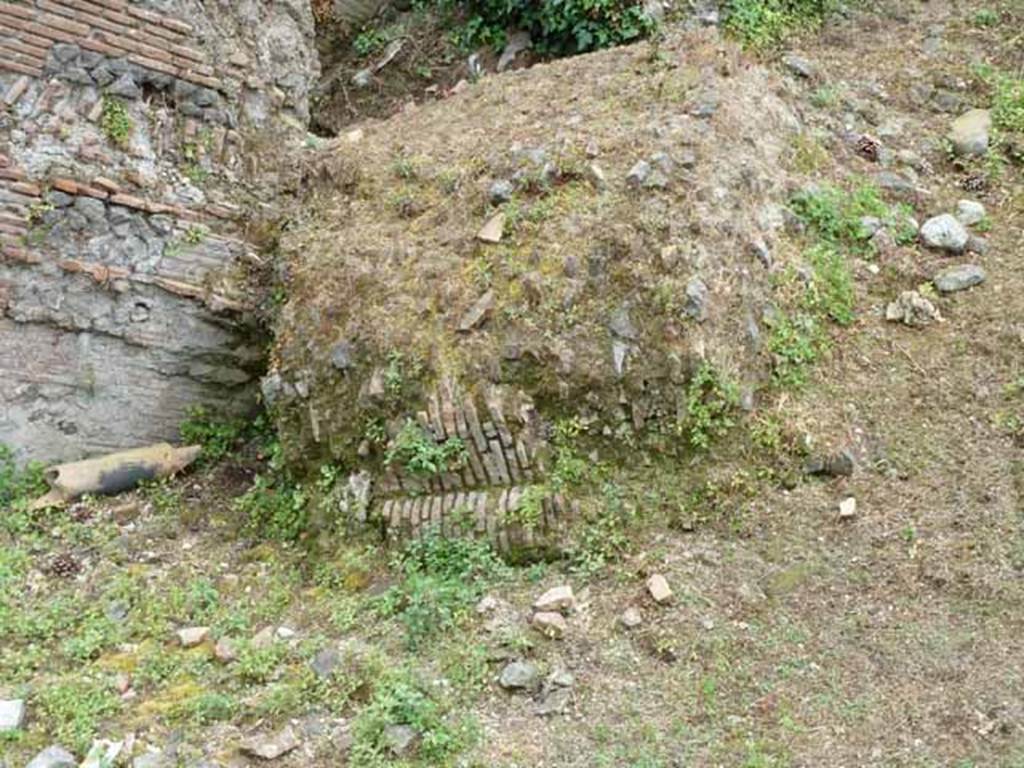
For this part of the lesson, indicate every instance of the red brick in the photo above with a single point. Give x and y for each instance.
(4, 160)
(12, 218)
(16, 90)
(10, 9)
(159, 66)
(8, 54)
(42, 31)
(12, 229)
(38, 52)
(188, 53)
(108, 184)
(64, 25)
(16, 253)
(104, 48)
(140, 13)
(165, 34)
(25, 37)
(176, 25)
(101, 23)
(114, 5)
(61, 8)
(128, 201)
(65, 185)
(24, 69)
(26, 188)
(199, 69)
(209, 82)
(99, 194)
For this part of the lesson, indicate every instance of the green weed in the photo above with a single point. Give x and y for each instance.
(419, 453)
(710, 403)
(115, 121)
(766, 23)
(75, 708)
(216, 434)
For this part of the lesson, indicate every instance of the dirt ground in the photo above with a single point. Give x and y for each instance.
(794, 638)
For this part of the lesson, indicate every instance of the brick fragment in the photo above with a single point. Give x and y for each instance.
(64, 25)
(16, 90)
(106, 184)
(27, 188)
(19, 11)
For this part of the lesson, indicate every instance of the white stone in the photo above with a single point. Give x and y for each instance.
(190, 637)
(969, 212)
(549, 624)
(558, 598)
(660, 591)
(12, 714)
(847, 508)
(493, 230)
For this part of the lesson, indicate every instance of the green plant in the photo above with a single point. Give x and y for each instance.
(793, 344)
(74, 708)
(369, 41)
(985, 17)
(710, 403)
(568, 467)
(19, 485)
(257, 663)
(1008, 103)
(601, 537)
(400, 698)
(209, 707)
(529, 509)
(417, 451)
(557, 27)
(275, 507)
(834, 215)
(115, 121)
(766, 23)
(441, 580)
(216, 434)
(830, 289)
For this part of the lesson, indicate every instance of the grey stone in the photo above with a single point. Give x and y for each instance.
(94, 211)
(560, 598)
(969, 133)
(12, 714)
(696, 305)
(65, 52)
(102, 75)
(978, 245)
(271, 746)
(913, 309)
(341, 355)
(631, 618)
(400, 739)
(550, 624)
(478, 313)
(621, 325)
(152, 759)
(59, 199)
(500, 192)
(190, 637)
(53, 756)
(704, 105)
(799, 66)
(555, 701)
(899, 183)
(839, 464)
(639, 173)
(945, 233)
(224, 651)
(205, 97)
(969, 212)
(870, 225)
(620, 351)
(519, 675)
(959, 278)
(125, 87)
(77, 75)
(326, 661)
(90, 59)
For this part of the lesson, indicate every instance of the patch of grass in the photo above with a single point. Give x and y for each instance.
(369, 41)
(529, 510)
(602, 537)
(18, 486)
(830, 290)
(767, 23)
(793, 344)
(441, 580)
(557, 28)
(710, 403)
(74, 709)
(256, 665)
(401, 698)
(834, 215)
(115, 121)
(985, 17)
(419, 453)
(216, 434)
(568, 467)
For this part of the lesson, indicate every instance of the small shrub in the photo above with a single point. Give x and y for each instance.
(441, 581)
(115, 121)
(209, 707)
(417, 451)
(256, 665)
(18, 485)
(986, 17)
(793, 344)
(218, 436)
(529, 510)
(830, 290)
(710, 403)
(74, 710)
(274, 507)
(557, 27)
(568, 467)
(368, 42)
(602, 537)
(766, 23)
(834, 215)
(400, 698)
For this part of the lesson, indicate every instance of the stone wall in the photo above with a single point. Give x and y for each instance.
(125, 145)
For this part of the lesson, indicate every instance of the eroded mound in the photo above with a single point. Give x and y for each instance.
(635, 197)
